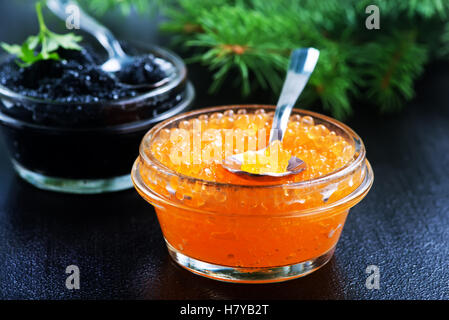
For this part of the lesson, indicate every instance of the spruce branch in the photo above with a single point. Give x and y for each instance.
(247, 42)
(235, 38)
(335, 81)
(395, 62)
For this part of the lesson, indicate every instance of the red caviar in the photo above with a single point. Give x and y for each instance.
(222, 134)
(215, 216)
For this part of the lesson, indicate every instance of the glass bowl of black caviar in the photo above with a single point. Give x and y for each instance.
(71, 127)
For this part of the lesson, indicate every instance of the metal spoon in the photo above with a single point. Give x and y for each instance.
(118, 59)
(302, 64)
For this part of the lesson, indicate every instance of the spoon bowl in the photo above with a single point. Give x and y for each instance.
(115, 65)
(234, 164)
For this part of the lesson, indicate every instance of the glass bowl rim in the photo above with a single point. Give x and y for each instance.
(356, 161)
(161, 52)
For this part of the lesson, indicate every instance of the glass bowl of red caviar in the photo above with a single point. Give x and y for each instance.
(239, 228)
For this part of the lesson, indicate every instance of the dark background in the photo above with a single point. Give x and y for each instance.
(402, 226)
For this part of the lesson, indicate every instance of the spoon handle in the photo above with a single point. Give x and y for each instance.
(89, 24)
(302, 63)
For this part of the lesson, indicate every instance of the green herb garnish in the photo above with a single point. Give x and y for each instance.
(48, 41)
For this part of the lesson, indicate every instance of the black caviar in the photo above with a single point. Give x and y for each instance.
(77, 77)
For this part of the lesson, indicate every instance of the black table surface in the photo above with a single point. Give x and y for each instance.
(402, 226)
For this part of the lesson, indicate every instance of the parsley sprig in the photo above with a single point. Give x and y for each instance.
(48, 41)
